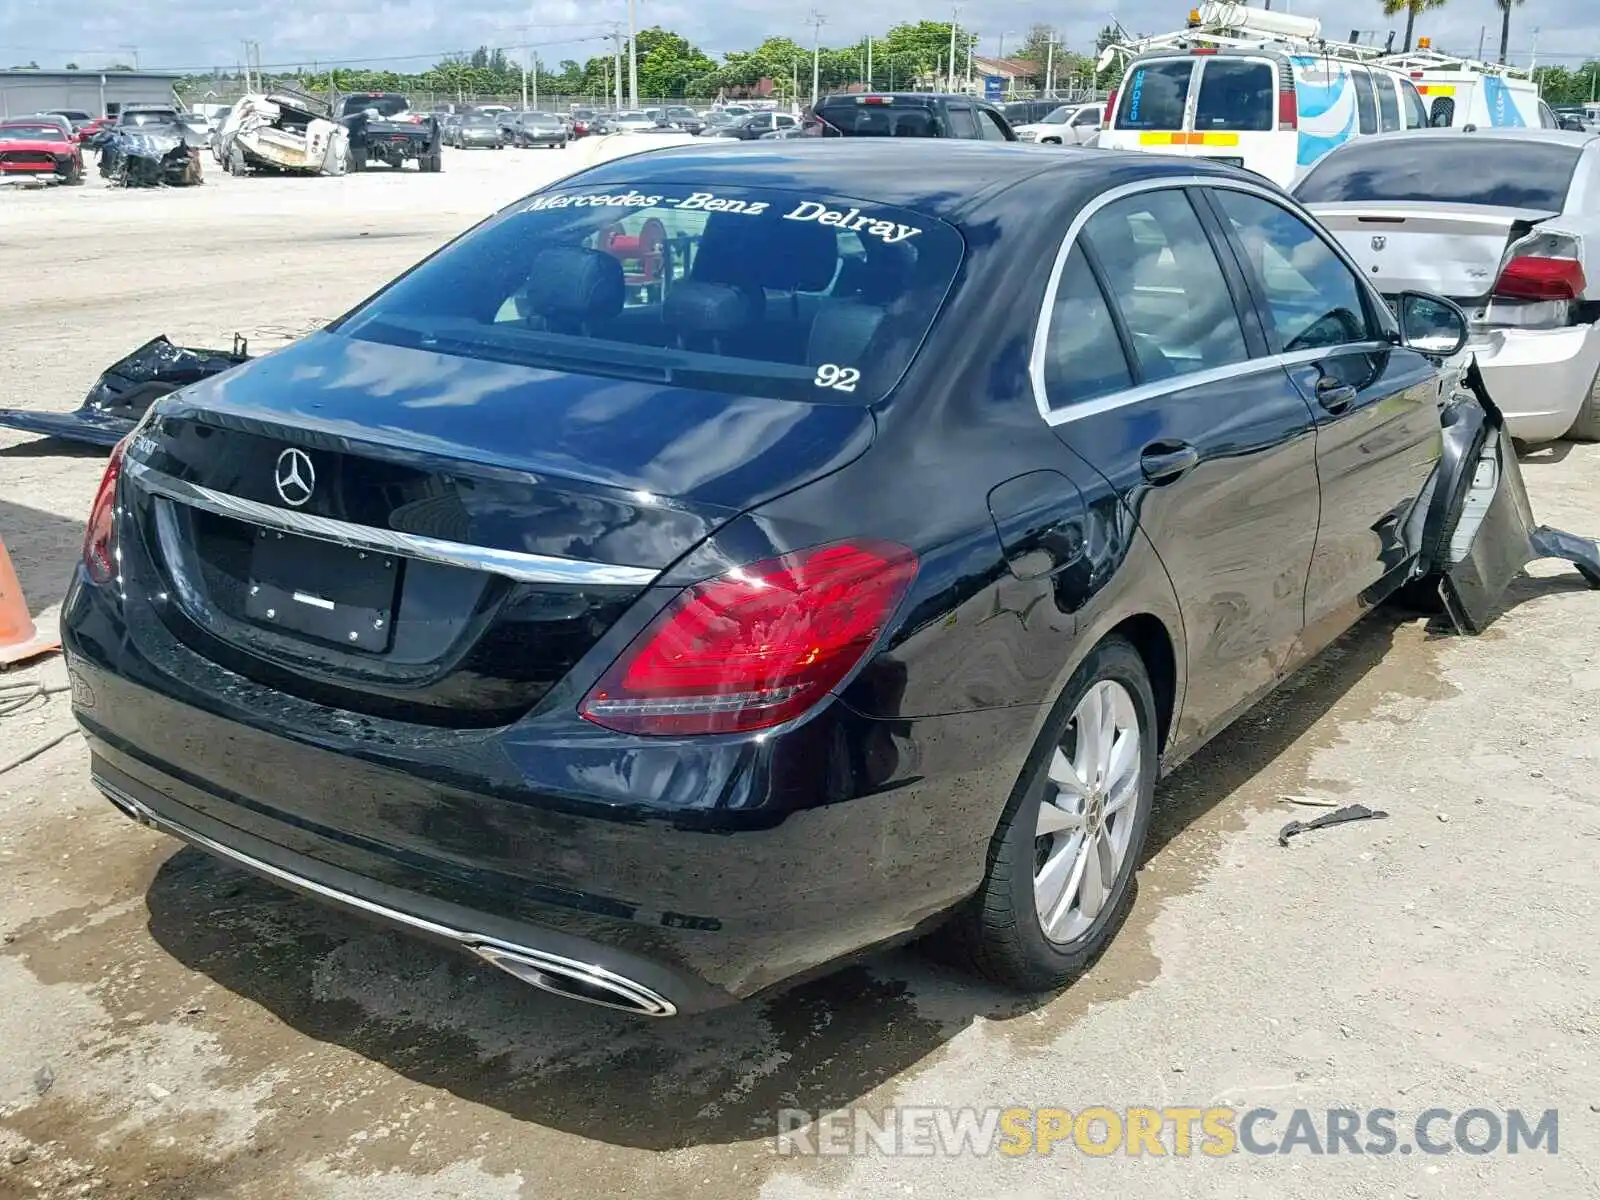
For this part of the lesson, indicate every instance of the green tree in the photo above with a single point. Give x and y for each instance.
(667, 62)
(1505, 26)
(1412, 9)
(1036, 46)
(72, 66)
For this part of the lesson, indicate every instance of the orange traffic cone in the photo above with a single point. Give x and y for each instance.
(19, 636)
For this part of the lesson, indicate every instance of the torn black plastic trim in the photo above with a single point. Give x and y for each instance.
(125, 391)
(1481, 531)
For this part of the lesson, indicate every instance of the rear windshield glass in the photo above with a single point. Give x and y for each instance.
(387, 106)
(1236, 94)
(757, 292)
(898, 118)
(1155, 94)
(1445, 169)
(30, 133)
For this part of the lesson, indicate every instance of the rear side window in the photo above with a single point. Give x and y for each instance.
(1465, 169)
(1416, 110)
(758, 292)
(1236, 94)
(959, 120)
(1167, 284)
(886, 120)
(1155, 95)
(1388, 105)
(1366, 101)
(1083, 354)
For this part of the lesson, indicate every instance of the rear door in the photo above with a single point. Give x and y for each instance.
(1154, 368)
(1375, 404)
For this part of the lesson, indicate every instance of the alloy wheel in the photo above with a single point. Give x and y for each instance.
(1087, 814)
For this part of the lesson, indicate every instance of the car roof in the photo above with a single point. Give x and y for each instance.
(949, 178)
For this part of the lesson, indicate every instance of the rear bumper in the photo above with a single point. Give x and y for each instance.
(1539, 378)
(704, 873)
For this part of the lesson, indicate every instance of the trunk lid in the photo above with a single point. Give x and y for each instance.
(436, 538)
(1452, 250)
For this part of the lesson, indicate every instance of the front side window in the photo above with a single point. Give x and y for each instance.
(1155, 95)
(989, 126)
(1166, 282)
(1313, 299)
(1083, 355)
(759, 292)
(1416, 110)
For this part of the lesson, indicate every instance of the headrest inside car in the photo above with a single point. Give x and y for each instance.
(572, 283)
(707, 308)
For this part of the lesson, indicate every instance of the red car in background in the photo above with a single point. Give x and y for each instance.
(38, 149)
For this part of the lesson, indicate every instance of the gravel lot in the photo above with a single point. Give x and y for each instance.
(171, 1028)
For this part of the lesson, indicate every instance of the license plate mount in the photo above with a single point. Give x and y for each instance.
(322, 590)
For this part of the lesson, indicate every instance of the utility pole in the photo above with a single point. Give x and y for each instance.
(869, 62)
(1483, 31)
(633, 54)
(1050, 67)
(1533, 57)
(955, 19)
(816, 21)
(536, 81)
(970, 39)
(616, 61)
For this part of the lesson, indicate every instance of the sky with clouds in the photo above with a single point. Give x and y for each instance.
(410, 34)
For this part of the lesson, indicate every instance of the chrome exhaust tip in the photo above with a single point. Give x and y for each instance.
(576, 981)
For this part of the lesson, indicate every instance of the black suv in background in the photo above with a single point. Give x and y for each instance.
(384, 129)
(911, 114)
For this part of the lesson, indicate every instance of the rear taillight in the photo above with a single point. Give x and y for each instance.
(757, 646)
(1111, 106)
(1288, 110)
(1545, 265)
(100, 538)
(1530, 278)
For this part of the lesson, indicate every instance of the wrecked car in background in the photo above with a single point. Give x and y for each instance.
(384, 129)
(149, 155)
(126, 390)
(280, 132)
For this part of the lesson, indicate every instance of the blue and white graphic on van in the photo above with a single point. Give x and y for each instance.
(1501, 104)
(1327, 103)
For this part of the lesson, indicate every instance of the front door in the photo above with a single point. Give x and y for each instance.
(1157, 372)
(1375, 403)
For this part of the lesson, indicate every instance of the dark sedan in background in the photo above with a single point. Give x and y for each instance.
(534, 130)
(691, 575)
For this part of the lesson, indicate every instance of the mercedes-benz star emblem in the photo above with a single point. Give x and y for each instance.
(295, 476)
(1379, 242)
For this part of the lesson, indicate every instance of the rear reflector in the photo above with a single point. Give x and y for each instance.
(100, 538)
(1111, 106)
(1529, 278)
(755, 647)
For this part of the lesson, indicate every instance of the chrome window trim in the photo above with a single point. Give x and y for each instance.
(512, 564)
(1073, 411)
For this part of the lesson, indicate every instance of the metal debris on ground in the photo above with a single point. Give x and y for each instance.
(1353, 812)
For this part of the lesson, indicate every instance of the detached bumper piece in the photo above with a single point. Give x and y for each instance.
(1482, 531)
(123, 393)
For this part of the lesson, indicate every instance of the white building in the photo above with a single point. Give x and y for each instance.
(98, 93)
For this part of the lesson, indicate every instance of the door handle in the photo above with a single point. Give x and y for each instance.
(1164, 462)
(1333, 395)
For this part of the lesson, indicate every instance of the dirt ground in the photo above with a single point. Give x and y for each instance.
(172, 1028)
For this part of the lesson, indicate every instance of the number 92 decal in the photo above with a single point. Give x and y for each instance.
(840, 379)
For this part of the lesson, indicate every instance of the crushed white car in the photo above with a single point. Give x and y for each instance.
(282, 133)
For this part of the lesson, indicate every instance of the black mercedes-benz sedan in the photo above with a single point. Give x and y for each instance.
(728, 559)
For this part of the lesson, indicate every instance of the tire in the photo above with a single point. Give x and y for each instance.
(75, 176)
(1000, 934)
(358, 158)
(431, 163)
(236, 164)
(1586, 428)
